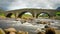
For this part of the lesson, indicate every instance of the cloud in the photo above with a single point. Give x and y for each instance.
(5, 3)
(19, 4)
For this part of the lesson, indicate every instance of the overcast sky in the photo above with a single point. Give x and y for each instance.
(19, 4)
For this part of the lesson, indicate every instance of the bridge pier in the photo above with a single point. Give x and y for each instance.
(16, 15)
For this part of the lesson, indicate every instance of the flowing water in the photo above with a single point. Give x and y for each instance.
(26, 26)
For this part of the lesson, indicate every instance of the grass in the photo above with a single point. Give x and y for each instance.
(26, 16)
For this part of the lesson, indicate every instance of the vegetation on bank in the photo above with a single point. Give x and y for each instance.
(2, 14)
(12, 16)
(58, 15)
(27, 16)
(43, 15)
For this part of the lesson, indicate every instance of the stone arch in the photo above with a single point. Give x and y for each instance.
(44, 13)
(9, 15)
(22, 13)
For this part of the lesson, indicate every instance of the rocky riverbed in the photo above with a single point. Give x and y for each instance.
(24, 27)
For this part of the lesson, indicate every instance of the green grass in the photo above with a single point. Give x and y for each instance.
(26, 16)
(1, 14)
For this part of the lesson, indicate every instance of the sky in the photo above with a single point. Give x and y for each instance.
(20, 4)
(28, 13)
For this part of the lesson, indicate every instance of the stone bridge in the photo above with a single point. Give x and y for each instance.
(34, 12)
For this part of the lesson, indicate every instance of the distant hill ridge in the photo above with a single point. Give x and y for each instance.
(58, 8)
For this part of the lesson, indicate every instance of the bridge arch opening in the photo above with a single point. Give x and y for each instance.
(10, 15)
(43, 15)
(25, 15)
